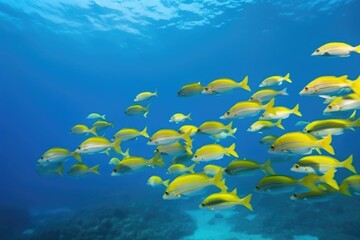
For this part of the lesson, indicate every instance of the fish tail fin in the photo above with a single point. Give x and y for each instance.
(188, 150)
(267, 169)
(244, 84)
(191, 168)
(344, 189)
(357, 49)
(279, 125)
(231, 150)
(328, 178)
(158, 160)
(269, 106)
(246, 202)
(356, 123)
(126, 154)
(95, 169)
(309, 181)
(218, 182)
(229, 126)
(189, 116)
(187, 139)
(287, 78)
(348, 164)
(284, 92)
(116, 146)
(93, 131)
(166, 183)
(60, 170)
(355, 85)
(144, 132)
(325, 144)
(156, 93)
(296, 111)
(77, 156)
(103, 116)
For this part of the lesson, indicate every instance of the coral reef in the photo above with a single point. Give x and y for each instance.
(136, 221)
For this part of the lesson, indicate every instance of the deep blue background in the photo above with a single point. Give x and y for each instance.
(51, 81)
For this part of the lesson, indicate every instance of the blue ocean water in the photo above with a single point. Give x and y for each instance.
(61, 60)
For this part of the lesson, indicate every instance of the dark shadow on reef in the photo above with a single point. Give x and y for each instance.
(116, 222)
(12, 221)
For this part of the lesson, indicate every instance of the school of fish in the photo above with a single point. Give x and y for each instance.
(191, 171)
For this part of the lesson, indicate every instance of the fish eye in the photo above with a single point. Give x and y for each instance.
(306, 88)
(262, 115)
(297, 166)
(272, 147)
(195, 156)
(150, 140)
(317, 50)
(330, 107)
(79, 148)
(42, 158)
(167, 193)
(295, 195)
(308, 131)
(206, 89)
(227, 113)
(257, 187)
(114, 170)
(156, 150)
(251, 98)
(202, 204)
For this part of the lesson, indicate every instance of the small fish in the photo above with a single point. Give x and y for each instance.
(181, 159)
(224, 134)
(280, 113)
(351, 185)
(156, 181)
(190, 90)
(83, 129)
(336, 49)
(224, 200)
(246, 109)
(212, 170)
(95, 116)
(247, 167)
(344, 103)
(174, 149)
(331, 85)
(50, 169)
(168, 136)
(261, 125)
(102, 124)
(268, 140)
(135, 110)
(145, 96)
(298, 143)
(180, 169)
(189, 184)
(179, 117)
(213, 152)
(275, 80)
(214, 127)
(275, 184)
(266, 95)
(80, 169)
(323, 193)
(321, 164)
(185, 128)
(57, 154)
(223, 85)
(98, 145)
(133, 163)
(126, 134)
(116, 161)
(322, 128)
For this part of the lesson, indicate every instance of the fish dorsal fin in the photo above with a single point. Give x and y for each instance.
(344, 77)
(352, 117)
(234, 192)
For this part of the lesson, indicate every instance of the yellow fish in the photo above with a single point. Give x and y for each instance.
(247, 167)
(247, 109)
(299, 143)
(213, 152)
(126, 134)
(336, 49)
(323, 193)
(134, 110)
(95, 116)
(268, 140)
(155, 181)
(179, 117)
(81, 169)
(224, 200)
(280, 113)
(131, 164)
(168, 136)
(57, 154)
(101, 124)
(189, 184)
(174, 149)
(265, 95)
(185, 128)
(212, 170)
(145, 95)
(181, 159)
(97, 145)
(180, 169)
(190, 89)
(351, 185)
(83, 129)
(344, 103)
(50, 169)
(223, 85)
(275, 80)
(214, 127)
(321, 164)
(331, 85)
(224, 134)
(260, 125)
